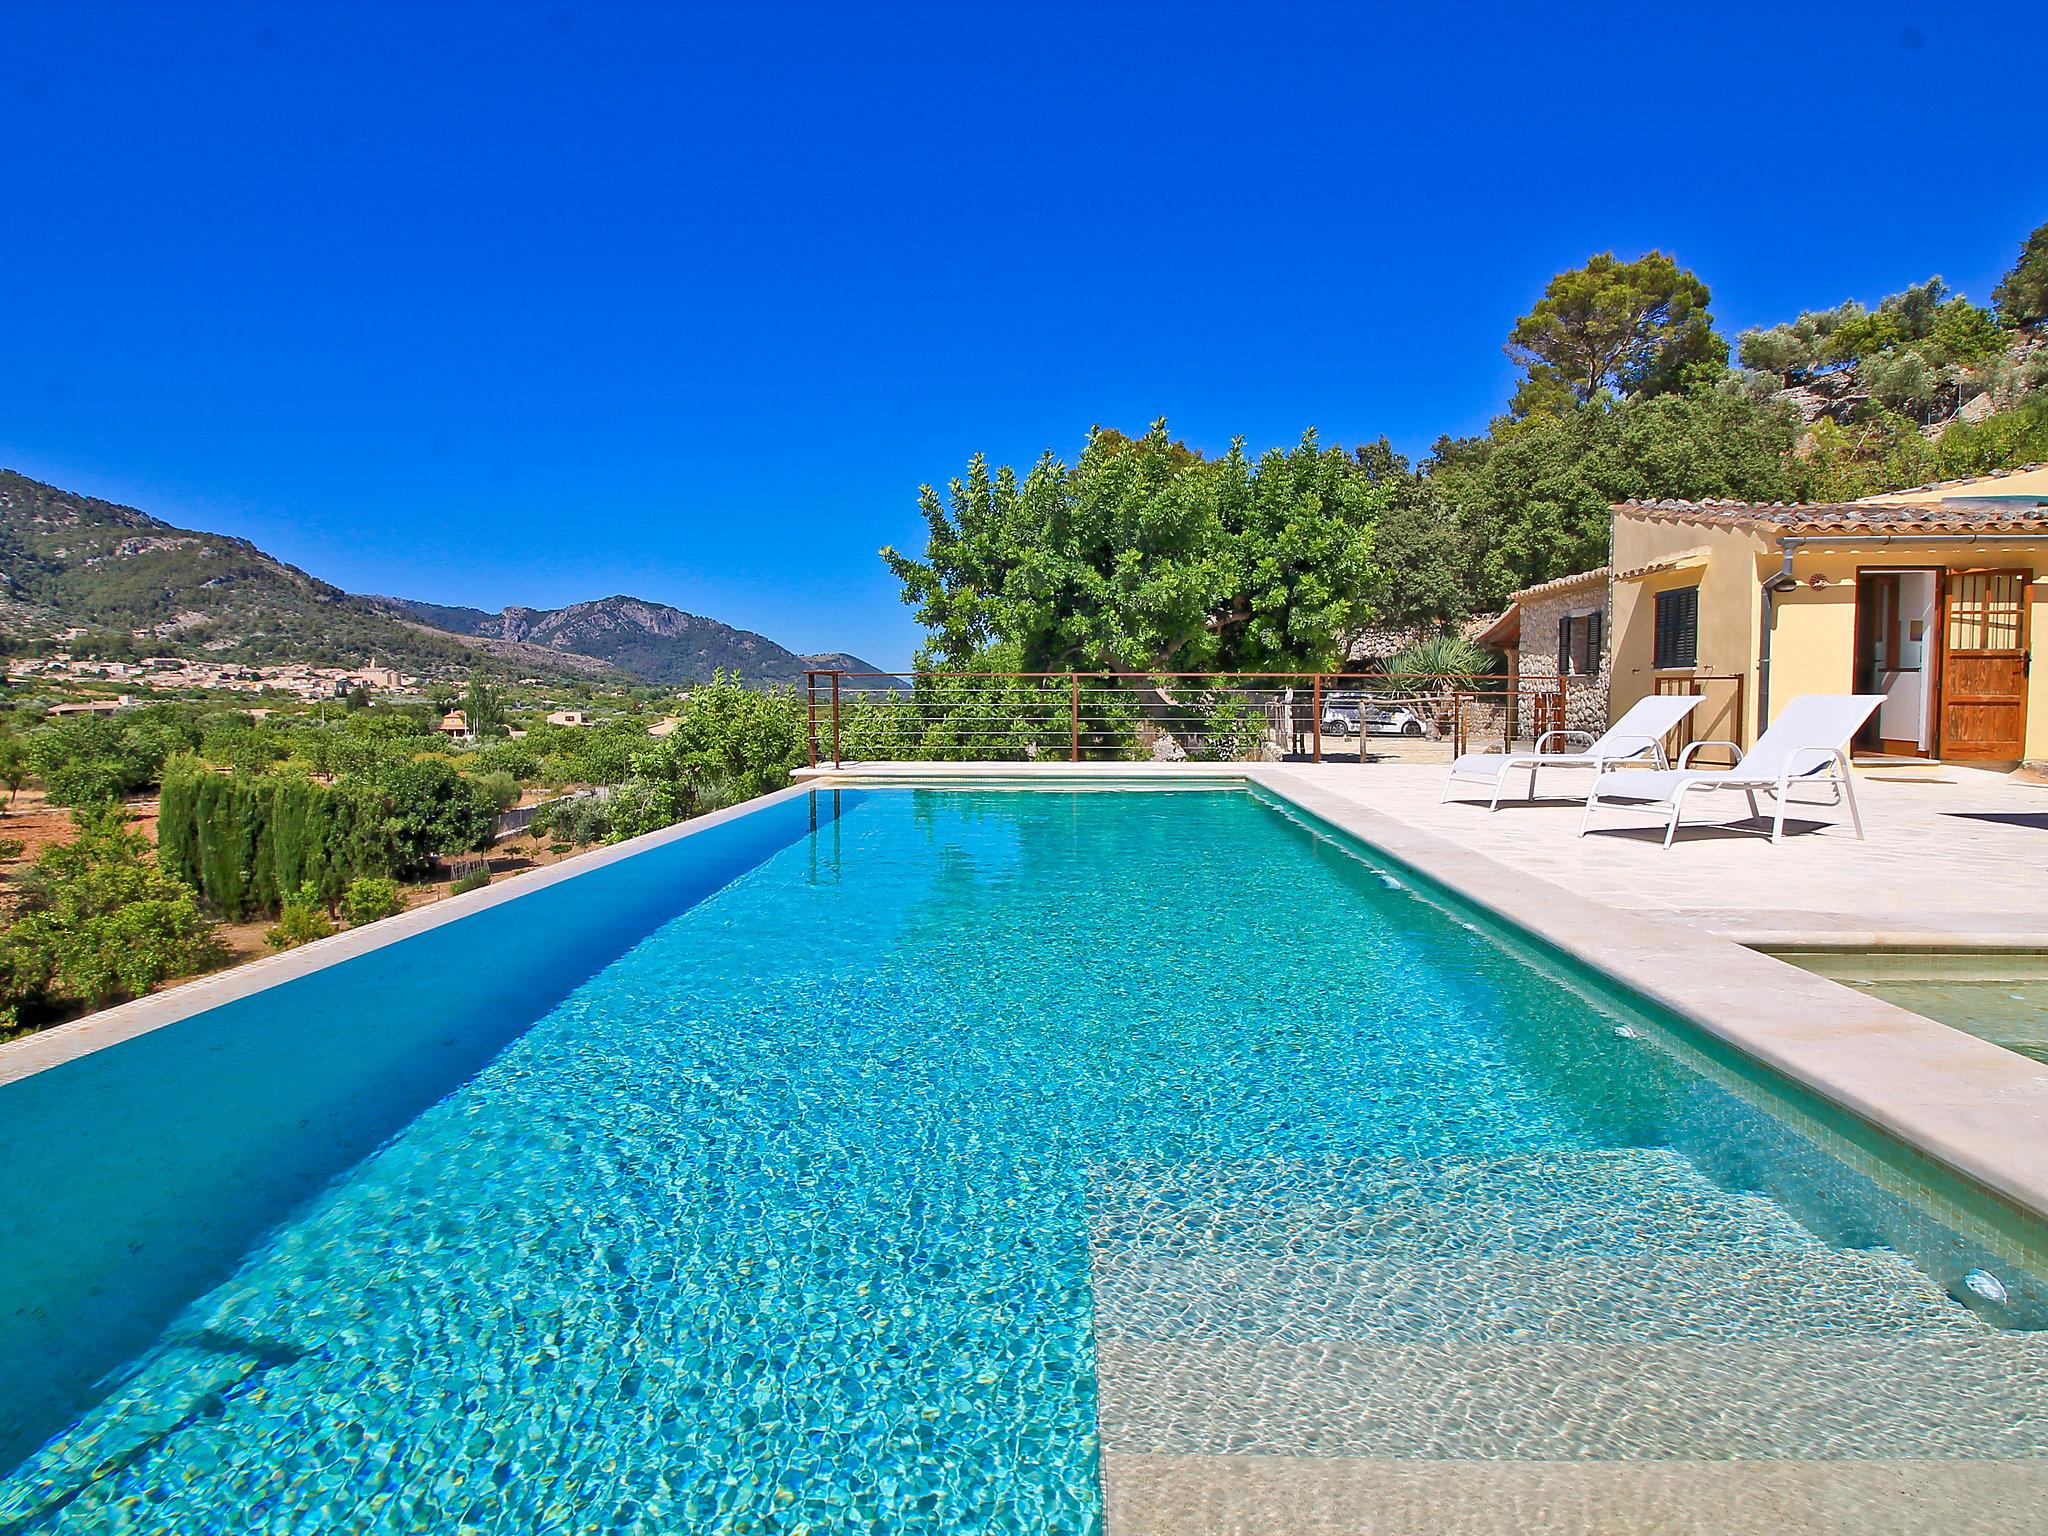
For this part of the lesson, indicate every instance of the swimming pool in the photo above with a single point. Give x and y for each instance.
(2000, 995)
(930, 1159)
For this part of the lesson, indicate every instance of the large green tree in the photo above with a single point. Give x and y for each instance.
(1533, 498)
(2022, 294)
(1144, 556)
(1635, 327)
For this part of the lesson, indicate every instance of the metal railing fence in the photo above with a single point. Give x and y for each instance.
(963, 716)
(1717, 718)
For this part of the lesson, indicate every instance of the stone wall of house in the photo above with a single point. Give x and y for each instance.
(1537, 660)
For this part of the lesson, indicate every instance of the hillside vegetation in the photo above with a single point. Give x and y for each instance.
(139, 586)
(142, 585)
(1629, 394)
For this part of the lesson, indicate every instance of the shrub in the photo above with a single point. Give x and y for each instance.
(513, 757)
(747, 738)
(11, 848)
(245, 841)
(497, 787)
(369, 898)
(301, 919)
(475, 880)
(98, 757)
(1229, 732)
(578, 819)
(102, 920)
(1450, 657)
(644, 804)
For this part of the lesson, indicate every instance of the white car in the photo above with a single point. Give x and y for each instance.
(1341, 716)
(1393, 720)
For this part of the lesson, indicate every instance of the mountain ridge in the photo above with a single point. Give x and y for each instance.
(655, 641)
(75, 562)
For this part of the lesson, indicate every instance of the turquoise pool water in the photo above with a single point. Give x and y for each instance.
(881, 1166)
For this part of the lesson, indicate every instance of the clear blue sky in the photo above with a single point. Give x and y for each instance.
(531, 303)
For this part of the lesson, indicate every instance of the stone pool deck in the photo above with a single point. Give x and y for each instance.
(1953, 856)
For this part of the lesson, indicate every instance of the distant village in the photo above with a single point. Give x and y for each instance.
(166, 673)
(296, 680)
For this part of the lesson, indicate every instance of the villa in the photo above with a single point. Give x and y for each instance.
(1925, 596)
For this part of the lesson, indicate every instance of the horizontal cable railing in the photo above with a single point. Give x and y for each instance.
(961, 716)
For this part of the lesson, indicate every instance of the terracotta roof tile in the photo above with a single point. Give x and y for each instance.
(1562, 584)
(1961, 516)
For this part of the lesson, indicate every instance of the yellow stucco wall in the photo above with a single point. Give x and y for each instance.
(1814, 651)
(1814, 640)
(1723, 564)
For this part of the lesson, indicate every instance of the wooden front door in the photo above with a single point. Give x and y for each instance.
(1984, 679)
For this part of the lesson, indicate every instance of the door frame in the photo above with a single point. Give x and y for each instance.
(1934, 655)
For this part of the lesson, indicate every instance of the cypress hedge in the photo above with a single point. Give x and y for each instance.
(246, 841)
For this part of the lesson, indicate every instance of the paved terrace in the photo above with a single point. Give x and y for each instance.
(1953, 855)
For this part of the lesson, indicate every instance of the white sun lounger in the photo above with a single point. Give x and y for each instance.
(1639, 733)
(1807, 743)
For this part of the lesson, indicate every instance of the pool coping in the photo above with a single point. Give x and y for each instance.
(1975, 1107)
(61, 1043)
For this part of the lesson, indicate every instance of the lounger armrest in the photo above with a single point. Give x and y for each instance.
(1643, 744)
(1685, 757)
(1547, 736)
(1823, 756)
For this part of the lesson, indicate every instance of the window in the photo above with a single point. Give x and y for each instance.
(1986, 610)
(1578, 644)
(1678, 628)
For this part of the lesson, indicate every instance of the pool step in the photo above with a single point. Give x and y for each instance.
(1607, 1306)
(1612, 1202)
(1601, 1243)
(1351, 1496)
(1777, 1400)
(1244, 1294)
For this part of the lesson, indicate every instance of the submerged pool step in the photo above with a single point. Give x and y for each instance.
(1571, 1244)
(1148, 1495)
(1244, 1294)
(1775, 1400)
(1613, 1202)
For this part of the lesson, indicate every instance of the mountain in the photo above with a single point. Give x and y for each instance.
(76, 562)
(71, 562)
(649, 640)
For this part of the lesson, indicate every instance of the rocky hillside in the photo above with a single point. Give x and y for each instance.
(71, 562)
(76, 562)
(649, 640)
